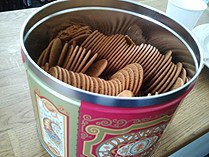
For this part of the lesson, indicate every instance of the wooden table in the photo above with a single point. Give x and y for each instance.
(18, 136)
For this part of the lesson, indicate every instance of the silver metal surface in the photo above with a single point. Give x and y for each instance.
(111, 17)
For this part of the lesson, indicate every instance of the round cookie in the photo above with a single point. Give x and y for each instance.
(55, 51)
(96, 69)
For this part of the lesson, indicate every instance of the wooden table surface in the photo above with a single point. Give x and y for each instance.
(18, 136)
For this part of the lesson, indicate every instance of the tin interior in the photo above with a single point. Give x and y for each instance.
(111, 17)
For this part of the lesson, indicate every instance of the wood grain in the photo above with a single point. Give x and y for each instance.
(18, 136)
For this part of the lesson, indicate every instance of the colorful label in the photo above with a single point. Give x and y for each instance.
(116, 132)
(53, 125)
(56, 117)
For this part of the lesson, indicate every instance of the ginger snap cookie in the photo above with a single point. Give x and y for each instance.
(96, 69)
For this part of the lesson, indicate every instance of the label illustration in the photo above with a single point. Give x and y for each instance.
(53, 127)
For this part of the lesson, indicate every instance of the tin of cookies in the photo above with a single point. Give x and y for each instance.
(62, 55)
(55, 52)
(89, 63)
(96, 69)
(126, 93)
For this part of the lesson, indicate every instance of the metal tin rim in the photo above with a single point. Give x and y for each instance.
(98, 98)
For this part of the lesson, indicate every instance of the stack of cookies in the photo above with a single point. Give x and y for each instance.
(110, 64)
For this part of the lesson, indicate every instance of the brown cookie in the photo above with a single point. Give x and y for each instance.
(78, 80)
(84, 60)
(95, 85)
(64, 76)
(112, 90)
(54, 72)
(168, 80)
(89, 63)
(76, 59)
(80, 59)
(47, 53)
(179, 68)
(129, 41)
(96, 69)
(59, 73)
(62, 55)
(165, 59)
(179, 82)
(55, 52)
(101, 86)
(126, 93)
(89, 38)
(120, 76)
(68, 56)
(72, 58)
(156, 80)
(162, 83)
(73, 79)
(183, 75)
(40, 59)
(83, 81)
(79, 39)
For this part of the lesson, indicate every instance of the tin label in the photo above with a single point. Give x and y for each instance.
(53, 126)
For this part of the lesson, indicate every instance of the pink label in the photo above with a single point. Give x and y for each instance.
(111, 131)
